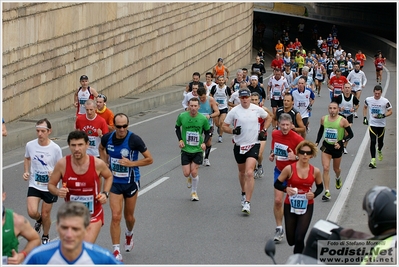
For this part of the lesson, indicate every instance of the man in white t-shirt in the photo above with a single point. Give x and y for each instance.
(41, 155)
(377, 108)
(244, 119)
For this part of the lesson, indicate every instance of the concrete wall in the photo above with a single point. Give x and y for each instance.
(123, 48)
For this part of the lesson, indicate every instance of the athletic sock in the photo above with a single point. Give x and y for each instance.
(116, 247)
(207, 151)
(194, 183)
(129, 233)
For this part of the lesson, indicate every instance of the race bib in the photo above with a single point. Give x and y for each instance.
(221, 100)
(337, 91)
(192, 138)
(299, 204)
(276, 94)
(88, 201)
(319, 76)
(119, 170)
(357, 82)
(281, 151)
(375, 111)
(41, 177)
(92, 141)
(244, 149)
(331, 135)
(347, 111)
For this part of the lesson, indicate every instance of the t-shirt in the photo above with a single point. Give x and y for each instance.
(90, 127)
(107, 115)
(247, 118)
(281, 145)
(376, 107)
(43, 160)
(192, 129)
(51, 254)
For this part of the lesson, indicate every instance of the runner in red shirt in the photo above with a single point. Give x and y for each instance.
(336, 84)
(278, 62)
(360, 57)
(80, 173)
(379, 63)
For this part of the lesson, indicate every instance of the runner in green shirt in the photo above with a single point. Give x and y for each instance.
(189, 128)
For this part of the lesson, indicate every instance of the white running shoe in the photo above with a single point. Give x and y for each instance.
(194, 196)
(220, 139)
(243, 199)
(247, 207)
(206, 162)
(279, 234)
(118, 255)
(129, 242)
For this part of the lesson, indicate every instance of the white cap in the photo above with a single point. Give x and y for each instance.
(349, 54)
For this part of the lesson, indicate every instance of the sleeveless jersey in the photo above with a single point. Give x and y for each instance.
(219, 70)
(292, 113)
(206, 109)
(51, 254)
(10, 241)
(122, 174)
(236, 85)
(277, 87)
(289, 77)
(83, 188)
(347, 105)
(83, 96)
(332, 131)
(319, 73)
(303, 185)
(220, 96)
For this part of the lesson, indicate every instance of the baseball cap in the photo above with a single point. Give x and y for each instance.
(244, 92)
(84, 77)
(220, 59)
(349, 54)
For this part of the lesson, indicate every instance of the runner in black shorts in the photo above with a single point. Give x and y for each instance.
(242, 158)
(46, 196)
(127, 190)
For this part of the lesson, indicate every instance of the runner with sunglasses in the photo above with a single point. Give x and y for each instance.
(298, 203)
(120, 149)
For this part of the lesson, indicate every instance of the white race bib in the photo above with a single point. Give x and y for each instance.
(299, 204)
(88, 201)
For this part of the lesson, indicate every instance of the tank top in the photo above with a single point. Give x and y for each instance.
(236, 85)
(303, 185)
(83, 188)
(332, 131)
(347, 105)
(219, 70)
(10, 241)
(122, 174)
(206, 109)
(220, 96)
(83, 96)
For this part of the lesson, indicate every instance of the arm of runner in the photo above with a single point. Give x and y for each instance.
(321, 131)
(55, 178)
(301, 127)
(26, 174)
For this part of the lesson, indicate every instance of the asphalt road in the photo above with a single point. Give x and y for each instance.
(170, 229)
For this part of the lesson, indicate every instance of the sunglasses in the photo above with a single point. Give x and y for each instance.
(303, 152)
(121, 126)
(245, 97)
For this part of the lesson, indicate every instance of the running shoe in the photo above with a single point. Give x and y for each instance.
(326, 196)
(246, 208)
(255, 173)
(194, 196)
(372, 164)
(260, 171)
(206, 162)
(345, 151)
(279, 235)
(243, 199)
(118, 255)
(356, 115)
(338, 183)
(38, 227)
(318, 94)
(129, 242)
(380, 157)
(220, 140)
(189, 182)
(45, 240)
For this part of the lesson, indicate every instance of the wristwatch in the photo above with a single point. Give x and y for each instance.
(105, 193)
